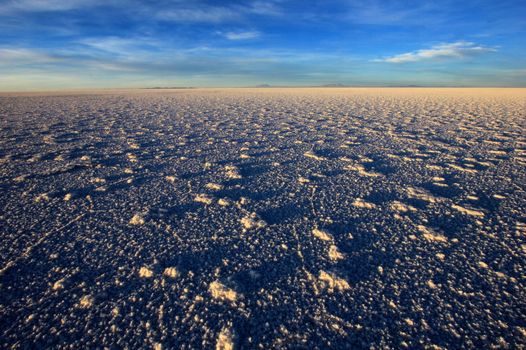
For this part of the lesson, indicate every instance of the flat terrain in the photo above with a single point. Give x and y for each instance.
(263, 218)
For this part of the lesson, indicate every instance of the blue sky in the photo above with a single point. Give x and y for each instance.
(50, 44)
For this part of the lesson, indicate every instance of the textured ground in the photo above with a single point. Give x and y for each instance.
(332, 218)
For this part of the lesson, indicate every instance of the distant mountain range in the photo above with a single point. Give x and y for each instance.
(334, 85)
(170, 87)
(330, 85)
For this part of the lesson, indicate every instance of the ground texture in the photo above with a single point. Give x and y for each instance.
(264, 218)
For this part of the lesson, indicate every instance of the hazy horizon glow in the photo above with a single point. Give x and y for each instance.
(57, 44)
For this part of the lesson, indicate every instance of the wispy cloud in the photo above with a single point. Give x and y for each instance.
(18, 56)
(112, 57)
(459, 49)
(11, 6)
(174, 10)
(264, 8)
(121, 46)
(242, 35)
(208, 14)
(394, 12)
(217, 14)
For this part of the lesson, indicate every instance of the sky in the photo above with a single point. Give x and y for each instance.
(68, 44)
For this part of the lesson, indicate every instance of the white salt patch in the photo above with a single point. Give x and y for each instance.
(440, 256)
(132, 157)
(433, 167)
(41, 198)
(360, 203)
(401, 207)
(321, 234)
(221, 292)
(58, 284)
(145, 272)
(214, 186)
(137, 219)
(303, 180)
(86, 302)
(459, 168)
(225, 340)
(334, 253)
(223, 202)
(467, 211)
(421, 194)
(331, 282)
(431, 236)
(232, 172)
(203, 198)
(360, 169)
(483, 265)
(251, 221)
(309, 154)
(431, 284)
(170, 272)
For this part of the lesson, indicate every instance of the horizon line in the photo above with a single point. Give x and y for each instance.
(326, 86)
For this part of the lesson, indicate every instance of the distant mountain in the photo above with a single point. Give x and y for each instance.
(334, 85)
(407, 86)
(263, 86)
(169, 87)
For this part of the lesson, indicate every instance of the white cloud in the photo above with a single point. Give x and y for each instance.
(264, 8)
(175, 10)
(120, 46)
(44, 5)
(241, 35)
(217, 14)
(24, 56)
(208, 14)
(399, 12)
(459, 49)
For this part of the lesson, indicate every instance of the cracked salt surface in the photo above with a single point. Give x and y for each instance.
(268, 218)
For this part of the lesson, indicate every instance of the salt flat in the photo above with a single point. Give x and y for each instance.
(263, 218)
